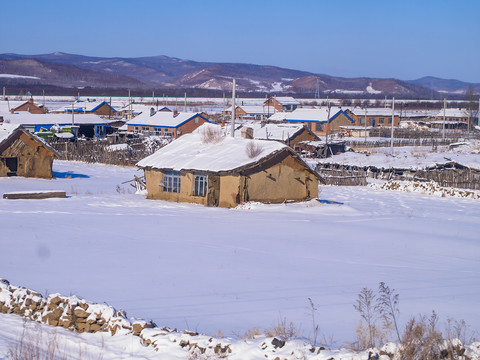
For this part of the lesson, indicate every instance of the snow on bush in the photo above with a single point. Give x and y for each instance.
(428, 188)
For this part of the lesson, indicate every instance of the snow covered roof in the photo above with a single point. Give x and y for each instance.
(373, 112)
(251, 109)
(279, 132)
(286, 100)
(163, 118)
(314, 115)
(459, 113)
(26, 118)
(6, 130)
(83, 106)
(191, 152)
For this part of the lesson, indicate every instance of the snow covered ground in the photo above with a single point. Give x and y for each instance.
(410, 157)
(206, 269)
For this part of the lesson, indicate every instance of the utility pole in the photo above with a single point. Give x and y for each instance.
(328, 122)
(185, 104)
(153, 98)
(233, 109)
(444, 113)
(365, 130)
(393, 122)
(4, 97)
(73, 116)
(43, 91)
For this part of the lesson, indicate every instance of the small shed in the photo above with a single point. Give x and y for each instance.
(208, 168)
(289, 134)
(24, 154)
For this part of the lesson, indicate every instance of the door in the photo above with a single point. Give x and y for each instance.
(213, 187)
(12, 165)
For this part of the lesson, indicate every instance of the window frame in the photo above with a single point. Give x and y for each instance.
(200, 185)
(171, 181)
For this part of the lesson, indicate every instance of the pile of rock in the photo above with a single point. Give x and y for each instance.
(69, 312)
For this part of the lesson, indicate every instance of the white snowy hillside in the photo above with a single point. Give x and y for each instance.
(205, 269)
(208, 149)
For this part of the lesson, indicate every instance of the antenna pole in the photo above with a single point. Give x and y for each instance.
(233, 108)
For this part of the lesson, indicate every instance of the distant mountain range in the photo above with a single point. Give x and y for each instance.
(162, 72)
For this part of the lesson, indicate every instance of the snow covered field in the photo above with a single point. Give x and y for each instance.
(209, 269)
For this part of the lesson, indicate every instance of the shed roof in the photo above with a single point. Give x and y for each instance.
(286, 100)
(459, 113)
(163, 118)
(83, 106)
(9, 130)
(279, 132)
(309, 115)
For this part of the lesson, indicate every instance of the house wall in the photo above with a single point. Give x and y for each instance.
(375, 120)
(287, 180)
(190, 125)
(185, 128)
(104, 109)
(33, 159)
(303, 136)
(31, 107)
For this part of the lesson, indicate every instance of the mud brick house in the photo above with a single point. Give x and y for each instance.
(316, 120)
(89, 107)
(375, 117)
(31, 107)
(208, 168)
(456, 115)
(280, 103)
(166, 123)
(249, 112)
(24, 154)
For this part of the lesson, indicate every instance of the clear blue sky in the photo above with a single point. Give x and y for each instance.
(401, 39)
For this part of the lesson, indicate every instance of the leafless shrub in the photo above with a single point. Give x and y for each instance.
(421, 339)
(250, 334)
(253, 149)
(287, 330)
(368, 309)
(388, 305)
(312, 310)
(211, 134)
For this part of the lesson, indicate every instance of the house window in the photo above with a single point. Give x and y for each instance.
(200, 185)
(171, 181)
(196, 120)
(381, 121)
(319, 126)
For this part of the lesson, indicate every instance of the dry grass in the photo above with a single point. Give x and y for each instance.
(211, 134)
(286, 330)
(253, 149)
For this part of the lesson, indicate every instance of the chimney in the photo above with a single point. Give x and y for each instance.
(247, 132)
(152, 111)
(30, 100)
(175, 112)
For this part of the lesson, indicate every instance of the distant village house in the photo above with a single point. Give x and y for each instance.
(166, 123)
